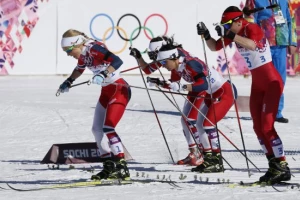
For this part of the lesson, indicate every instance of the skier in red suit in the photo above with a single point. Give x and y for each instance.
(266, 89)
(113, 100)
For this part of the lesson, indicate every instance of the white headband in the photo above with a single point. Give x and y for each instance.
(72, 41)
(155, 45)
(169, 54)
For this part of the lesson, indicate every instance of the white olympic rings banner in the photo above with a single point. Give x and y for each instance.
(119, 24)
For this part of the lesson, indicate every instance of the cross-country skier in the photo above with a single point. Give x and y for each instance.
(198, 78)
(194, 158)
(113, 100)
(280, 30)
(266, 87)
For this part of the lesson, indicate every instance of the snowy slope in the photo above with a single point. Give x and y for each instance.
(32, 118)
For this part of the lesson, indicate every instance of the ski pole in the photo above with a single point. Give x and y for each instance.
(235, 105)
(155, 113)
(149, 89)
(223, 135)
(248, 12)
(126, 70)
(85, 82)
(183, 115)
(205, 57)
(89, 81)
(186, 119)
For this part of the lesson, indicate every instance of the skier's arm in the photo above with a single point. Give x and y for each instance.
(245, 42)
(200, 83)
(75, 74)
(142, 63)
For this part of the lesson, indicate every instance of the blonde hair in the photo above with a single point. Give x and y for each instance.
(73, 32)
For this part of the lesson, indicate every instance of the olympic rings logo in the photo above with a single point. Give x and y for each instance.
(133, 36)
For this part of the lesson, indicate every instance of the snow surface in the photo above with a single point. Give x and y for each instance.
(32, 118)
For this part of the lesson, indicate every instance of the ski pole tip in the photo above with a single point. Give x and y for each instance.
(57, 93)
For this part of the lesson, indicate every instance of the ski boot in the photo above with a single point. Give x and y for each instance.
(278, 171)
(122, 171)
(212, 163)
(194, 158)
(109, 167)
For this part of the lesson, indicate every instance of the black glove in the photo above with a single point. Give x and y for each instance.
(202, 30)
(223, 32)
(246, 11)
(64, 87)
(135, 53)
(155, 81)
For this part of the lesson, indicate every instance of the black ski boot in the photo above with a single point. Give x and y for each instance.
(122, 170)
(212, 163)
(278, 171)
(109, 167)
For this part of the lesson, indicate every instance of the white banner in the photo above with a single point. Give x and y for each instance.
(114, 21)
(174, 17)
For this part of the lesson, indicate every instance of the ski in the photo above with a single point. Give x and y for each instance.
(262, 184)
(77, 184)
(288, 186)
(92, 184)
(73, 185)
(276, 186)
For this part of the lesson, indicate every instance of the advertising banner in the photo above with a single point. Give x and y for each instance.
(76, 153)
(118, 27)
(31, 31)
(27, 37)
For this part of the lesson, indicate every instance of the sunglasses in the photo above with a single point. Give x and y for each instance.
(227, 25)
(69, 50)
(163, 62)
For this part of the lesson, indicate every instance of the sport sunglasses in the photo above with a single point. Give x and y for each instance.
(69, 50)
(228, 24)
(163, 62)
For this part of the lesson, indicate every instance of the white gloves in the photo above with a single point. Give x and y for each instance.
(98, 79)
(151, 84)
(174, 86)
(177, 87)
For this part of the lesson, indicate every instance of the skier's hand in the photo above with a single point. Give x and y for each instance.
(154, 81)
(98, 79)
(202, 30)
(177, 87)
(221, 30)
(246, 11)
(135, 53)
(150, 84)
(64, 87)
